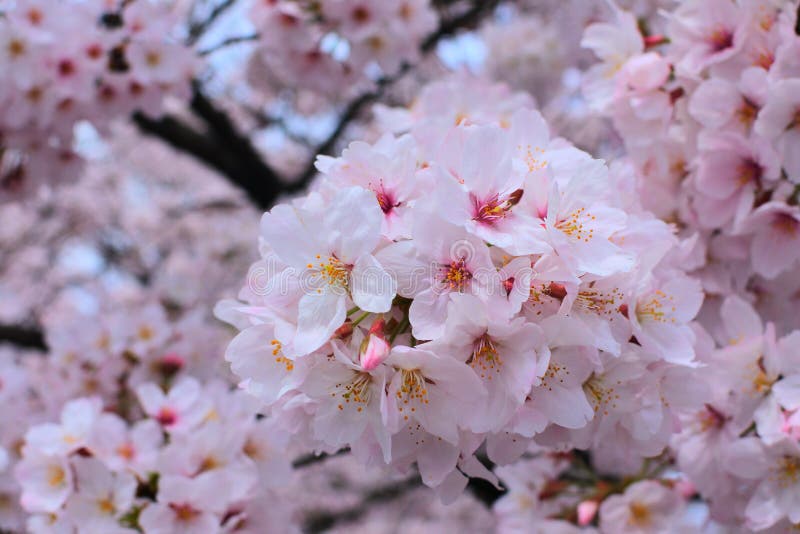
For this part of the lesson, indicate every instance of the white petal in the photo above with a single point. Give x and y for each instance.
(320, 315)
(371, 287)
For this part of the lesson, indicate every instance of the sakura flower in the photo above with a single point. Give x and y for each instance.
(778, 121)
(614, 43)
(579, 225)
(122, 448)
(427, 389)
(184, 505)
(258, 356)
(179, 410)
(352, 402)
(46, 480)
(102, 496)
(661, 315)
(559, 396)
(332, 247)
(646, 506)
(265, 447)
(776, 229)
(522, 507)
(77, 419)
(211, 456)
(776, 418)
(478, 190)
(730, 171)
(706, 33)
(777, 495)
(503, 354)
(721, 104)
(434, 267)
(387, 168)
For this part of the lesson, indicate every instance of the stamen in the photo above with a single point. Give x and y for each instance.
(485, 358)
(456, 275)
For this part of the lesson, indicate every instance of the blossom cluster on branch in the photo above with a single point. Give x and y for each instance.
(335, 45)
(147, 433)
(79, 61)
(466, 302)
(472, 281)
(708, 115)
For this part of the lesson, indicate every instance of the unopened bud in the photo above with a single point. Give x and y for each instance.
(586, 512)
(376, 351)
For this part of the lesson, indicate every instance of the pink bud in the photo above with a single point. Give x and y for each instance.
(376, 351)
(171, 363)
(647, 72)
(685, 488)
(586, 512)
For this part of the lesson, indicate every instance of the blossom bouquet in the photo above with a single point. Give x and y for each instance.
(522, 267)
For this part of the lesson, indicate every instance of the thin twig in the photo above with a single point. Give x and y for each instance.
(228, 42)
(320, 521)
(23, 336)
(310, 459)
(197, 30)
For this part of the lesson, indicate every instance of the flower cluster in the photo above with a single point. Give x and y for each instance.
(93, 471)
(74, 61)
(708, 115)
(472, 281)
(331, 45)
(135, 410)
(536, 501)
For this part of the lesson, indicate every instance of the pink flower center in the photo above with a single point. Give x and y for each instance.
(720, 39)
(485, 357)
(492, 209)
(184, 512)
(749, 172)
(127, 451)
(66, 68)
(456, 275)
(711, 418)
(361, 14)
(747, 112)
(167, 416)
(386, 199)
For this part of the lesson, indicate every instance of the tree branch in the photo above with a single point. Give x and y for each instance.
(198, 29)
(221, 147)
(23, 336)
(229, 41)
(321, 521)
(310, 459)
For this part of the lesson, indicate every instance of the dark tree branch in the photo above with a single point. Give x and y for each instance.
(468, 19)
(321, 521)
(797, 22)
(198, 29)
(23, 336)
(229, 41)
(310, 459)
(350, 113)
(484, 491)
(221, 147)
